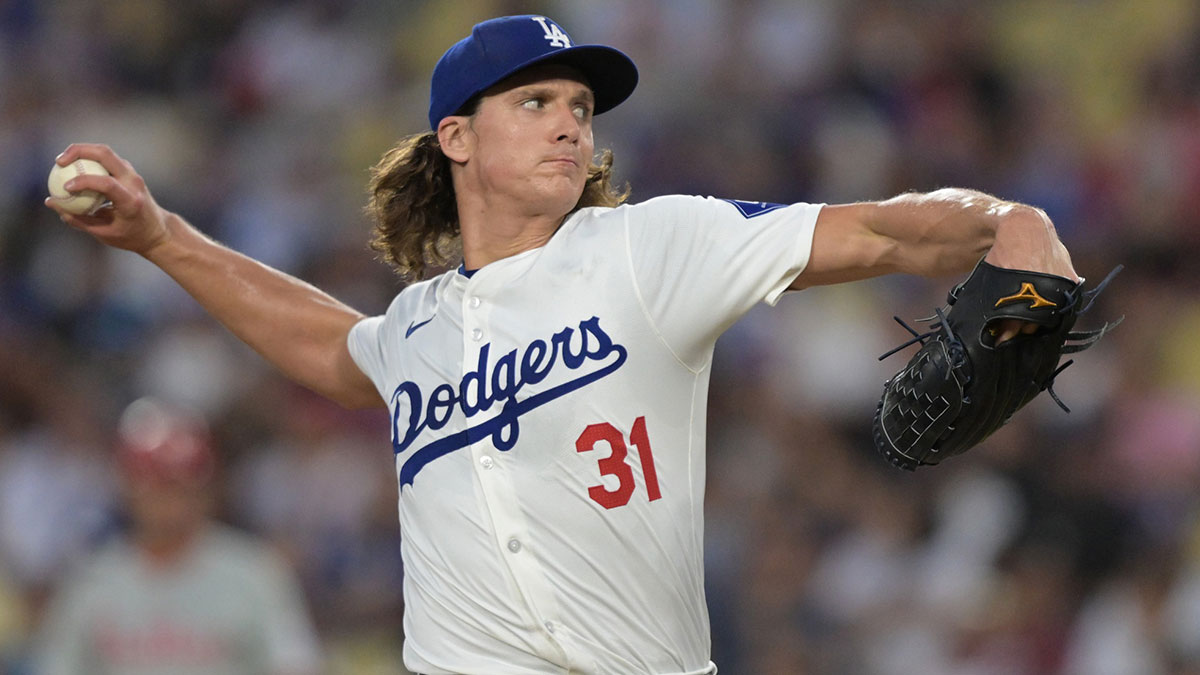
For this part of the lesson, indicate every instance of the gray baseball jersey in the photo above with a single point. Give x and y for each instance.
(229, 607)
(548, 419)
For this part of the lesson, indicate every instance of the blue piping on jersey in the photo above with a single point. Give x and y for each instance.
(507, 379)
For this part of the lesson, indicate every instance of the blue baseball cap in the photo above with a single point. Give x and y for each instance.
(498, 48)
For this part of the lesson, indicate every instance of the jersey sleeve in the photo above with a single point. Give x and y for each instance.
(375, 340)
(700, 263)
(366, 342)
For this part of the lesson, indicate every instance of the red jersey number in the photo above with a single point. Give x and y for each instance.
(615, 465)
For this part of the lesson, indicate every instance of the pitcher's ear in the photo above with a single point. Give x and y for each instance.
(456, 138)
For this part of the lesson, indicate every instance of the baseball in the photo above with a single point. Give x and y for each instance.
(84, 201)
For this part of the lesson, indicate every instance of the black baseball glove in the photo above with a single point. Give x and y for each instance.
(961, 386)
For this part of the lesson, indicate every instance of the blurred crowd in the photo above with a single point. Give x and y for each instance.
(1068, 544)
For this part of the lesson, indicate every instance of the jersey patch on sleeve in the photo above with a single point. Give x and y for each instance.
(752, 209)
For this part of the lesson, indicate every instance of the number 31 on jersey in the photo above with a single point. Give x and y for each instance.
(615, 465)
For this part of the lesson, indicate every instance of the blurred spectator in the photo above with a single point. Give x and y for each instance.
(178, 593)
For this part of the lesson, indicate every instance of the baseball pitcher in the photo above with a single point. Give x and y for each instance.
(547, 394)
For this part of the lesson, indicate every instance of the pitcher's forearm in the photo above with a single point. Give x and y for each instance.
(947, 231)
(294, 325)
(939, 233)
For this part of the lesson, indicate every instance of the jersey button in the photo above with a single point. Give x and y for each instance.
(486, 462)
(477, 335)
(549, 626)
(474, 302)
(514, 545)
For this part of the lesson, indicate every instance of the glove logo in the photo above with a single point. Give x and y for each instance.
(1027, 292)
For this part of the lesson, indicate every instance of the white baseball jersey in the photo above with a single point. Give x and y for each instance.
(548, 423)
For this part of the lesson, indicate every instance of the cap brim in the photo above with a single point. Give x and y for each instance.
(609, 72)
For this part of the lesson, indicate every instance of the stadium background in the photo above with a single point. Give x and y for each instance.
(1067, 544)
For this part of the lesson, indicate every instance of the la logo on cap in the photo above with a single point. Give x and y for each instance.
(554, 34)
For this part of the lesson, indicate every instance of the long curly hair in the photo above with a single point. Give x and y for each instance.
(415, 212)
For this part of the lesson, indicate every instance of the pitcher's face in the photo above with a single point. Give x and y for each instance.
(531, 139)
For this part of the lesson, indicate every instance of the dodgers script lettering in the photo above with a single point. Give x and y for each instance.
(501, 381)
